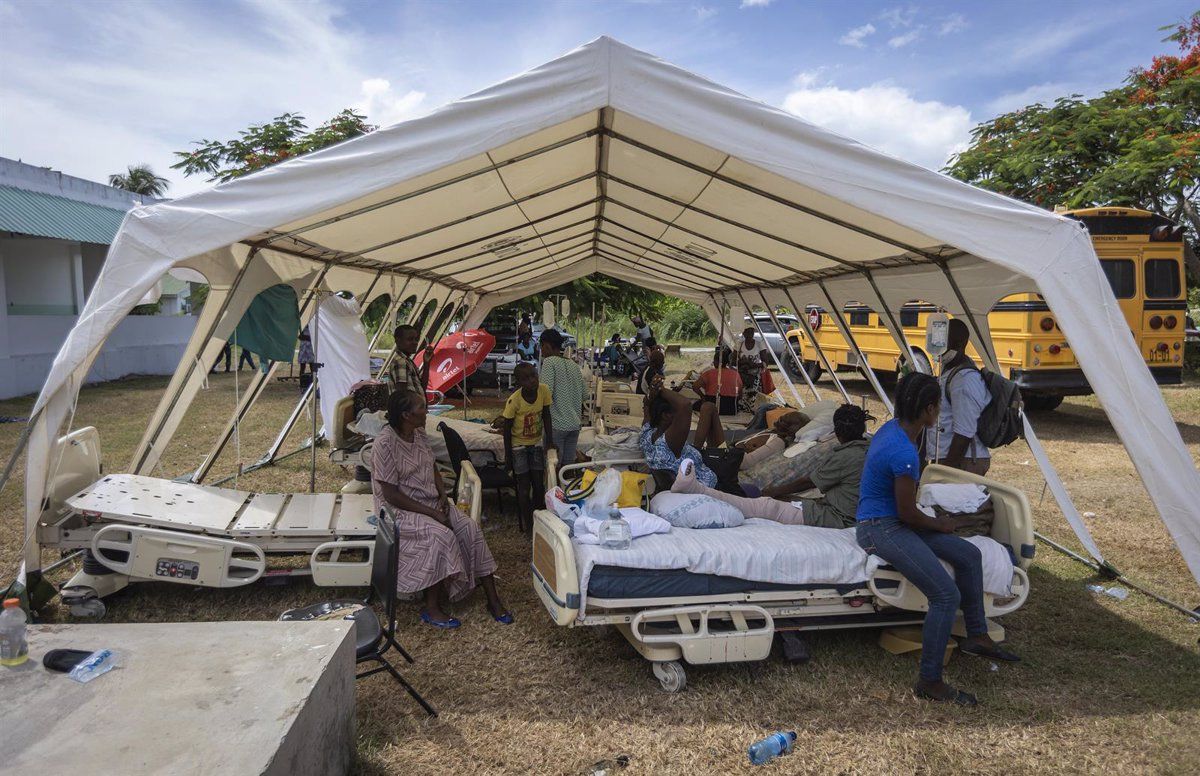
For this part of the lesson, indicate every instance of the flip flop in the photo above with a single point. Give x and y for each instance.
(960, 698)
(448, 624)
(994, 653)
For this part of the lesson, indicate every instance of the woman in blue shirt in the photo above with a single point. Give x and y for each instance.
(890, 525)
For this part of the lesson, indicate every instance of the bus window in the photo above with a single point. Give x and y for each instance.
(859, 316)
(1121, 276)
(1162, 278)
(910, 315)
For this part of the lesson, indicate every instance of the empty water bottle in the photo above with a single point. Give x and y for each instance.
(615, 533)
(762, 752)
(13, 648)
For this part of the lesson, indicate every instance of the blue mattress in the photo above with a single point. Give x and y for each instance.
(618, 582)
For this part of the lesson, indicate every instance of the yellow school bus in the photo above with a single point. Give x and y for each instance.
(1140, 252)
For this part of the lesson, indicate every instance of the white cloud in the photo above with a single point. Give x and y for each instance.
(900, 41)
(1045, 93)
(953, 23)
(384, 107)
(855, 36)
(899, 16)
(886, 117)
(756, 3)
(704, 12)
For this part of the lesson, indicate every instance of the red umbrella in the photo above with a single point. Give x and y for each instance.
(455, 357)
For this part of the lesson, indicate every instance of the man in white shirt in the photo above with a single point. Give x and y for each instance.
(964, 397)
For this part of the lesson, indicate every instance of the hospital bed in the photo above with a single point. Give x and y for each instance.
(672, 616)
(136, 529)
(619, 406)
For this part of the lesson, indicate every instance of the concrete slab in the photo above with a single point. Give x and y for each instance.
(192, 698)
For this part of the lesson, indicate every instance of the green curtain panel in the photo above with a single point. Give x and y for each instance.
(271, 324)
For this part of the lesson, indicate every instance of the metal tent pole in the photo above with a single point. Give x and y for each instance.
(812, 386)
(761, 333)
(802, 315)
(863, 365)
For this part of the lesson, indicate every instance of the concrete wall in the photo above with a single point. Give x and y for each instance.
(39, 276)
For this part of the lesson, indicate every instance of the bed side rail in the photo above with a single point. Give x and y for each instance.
(555, 577)
(470, 492)
(77, 465)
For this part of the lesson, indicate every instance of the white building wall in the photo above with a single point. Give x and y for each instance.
(40, 276)
(141, 344)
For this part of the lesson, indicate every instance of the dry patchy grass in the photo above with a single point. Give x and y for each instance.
(1105, 685)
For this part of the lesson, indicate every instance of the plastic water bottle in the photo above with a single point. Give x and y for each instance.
(615, 533)
(772, 746)
(13, 648)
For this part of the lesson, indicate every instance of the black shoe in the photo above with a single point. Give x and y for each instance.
(994, 653)
(957, 697)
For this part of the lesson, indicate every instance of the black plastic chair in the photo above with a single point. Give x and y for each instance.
(373, 639)
(491, 475)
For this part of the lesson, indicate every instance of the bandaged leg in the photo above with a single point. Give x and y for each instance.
(765, 508)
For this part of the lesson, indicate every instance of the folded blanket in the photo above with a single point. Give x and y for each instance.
(641, 523)
(953, 497)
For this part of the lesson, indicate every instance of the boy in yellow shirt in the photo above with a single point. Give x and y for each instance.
(527, 432)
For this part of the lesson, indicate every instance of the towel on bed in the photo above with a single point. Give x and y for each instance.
(953, 497)
(641, 523)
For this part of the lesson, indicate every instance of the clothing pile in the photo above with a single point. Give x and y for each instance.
(967, 501)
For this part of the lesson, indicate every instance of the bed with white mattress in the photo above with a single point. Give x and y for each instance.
(719, 595)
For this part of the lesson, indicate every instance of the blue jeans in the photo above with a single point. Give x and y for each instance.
(566, 442)
(915, 554)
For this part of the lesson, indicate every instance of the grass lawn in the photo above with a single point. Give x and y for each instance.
(1105, 685)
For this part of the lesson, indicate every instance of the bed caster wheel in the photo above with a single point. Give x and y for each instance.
(670, 675)
(92, 609)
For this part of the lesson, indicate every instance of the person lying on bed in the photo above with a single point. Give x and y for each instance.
(442, 551)
(837, 477)
(765, 444)
(664, 443)
(892, 526)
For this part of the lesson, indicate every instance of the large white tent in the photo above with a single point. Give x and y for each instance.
(610, 160)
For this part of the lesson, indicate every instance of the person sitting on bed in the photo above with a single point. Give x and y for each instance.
(664, 443)
(837, 477)
(442, 551)
(891, 526)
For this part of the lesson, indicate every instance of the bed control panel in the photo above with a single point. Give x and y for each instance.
(177, 569)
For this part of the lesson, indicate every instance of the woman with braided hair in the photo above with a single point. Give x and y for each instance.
(891, 526)
(837, 477)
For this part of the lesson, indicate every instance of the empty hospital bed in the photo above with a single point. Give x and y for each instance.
(137, 528)
(672, 615)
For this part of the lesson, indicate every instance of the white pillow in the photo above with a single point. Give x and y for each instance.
(693, 510)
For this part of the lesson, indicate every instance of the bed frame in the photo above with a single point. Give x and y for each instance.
(140, 529)
(740, 627)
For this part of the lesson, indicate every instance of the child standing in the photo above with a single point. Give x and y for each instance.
(527, 432)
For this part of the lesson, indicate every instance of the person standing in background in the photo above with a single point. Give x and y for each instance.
(567, 387)
(964, 397)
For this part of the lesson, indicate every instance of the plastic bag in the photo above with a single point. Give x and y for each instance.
(556, 502)
(96, 664)
(605, 492)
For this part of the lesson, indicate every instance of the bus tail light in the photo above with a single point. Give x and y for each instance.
(1047, 324)
(1156, 321)
(1162, 347)
(1170, 321)
(1054, 349)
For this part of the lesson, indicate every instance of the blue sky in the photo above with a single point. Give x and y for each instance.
(89, 87)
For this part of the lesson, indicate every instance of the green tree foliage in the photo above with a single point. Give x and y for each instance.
(262, 145)
(140, 179)
(1136, 145)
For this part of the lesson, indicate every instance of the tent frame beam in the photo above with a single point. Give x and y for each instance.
(787, 344)
(782, 372)
(864, 365)
(802, 316)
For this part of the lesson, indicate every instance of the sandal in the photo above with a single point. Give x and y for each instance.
(960, 698)
(993, 652)
(452, 622)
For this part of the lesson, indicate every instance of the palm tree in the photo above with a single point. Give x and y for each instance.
(140, 179)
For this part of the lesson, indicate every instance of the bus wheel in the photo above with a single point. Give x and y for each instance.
(813, 368)
(1039, 402)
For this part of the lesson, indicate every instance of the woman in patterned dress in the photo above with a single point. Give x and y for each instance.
(442, 551)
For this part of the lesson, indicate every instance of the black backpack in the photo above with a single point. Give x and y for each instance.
(1000, 422)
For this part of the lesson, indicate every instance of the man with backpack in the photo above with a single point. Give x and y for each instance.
(965, 396)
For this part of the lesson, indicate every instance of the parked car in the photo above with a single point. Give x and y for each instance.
(1190, 332)
(774, 337)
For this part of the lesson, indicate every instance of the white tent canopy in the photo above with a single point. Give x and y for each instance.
(609, 160)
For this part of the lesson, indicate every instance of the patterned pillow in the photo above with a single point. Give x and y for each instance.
(692, 510)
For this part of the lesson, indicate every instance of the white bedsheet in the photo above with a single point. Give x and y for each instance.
(766, 551)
